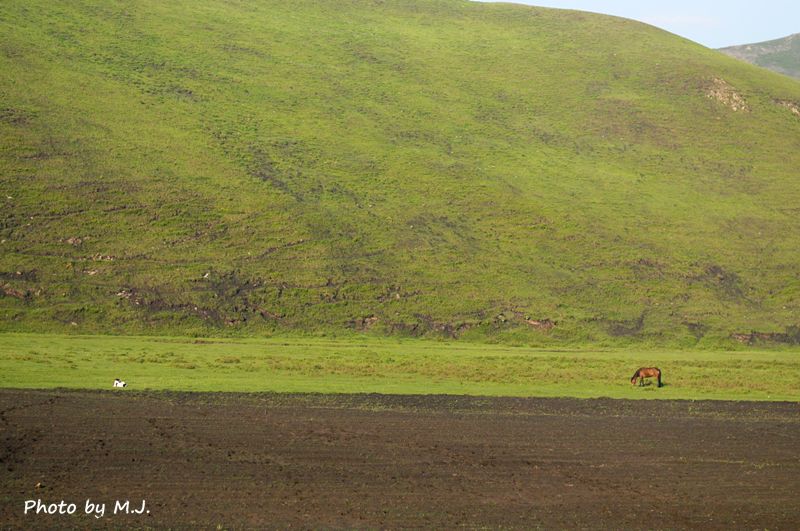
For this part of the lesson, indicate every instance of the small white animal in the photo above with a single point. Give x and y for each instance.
(119, 383)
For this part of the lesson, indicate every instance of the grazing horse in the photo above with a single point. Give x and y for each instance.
(646, 372)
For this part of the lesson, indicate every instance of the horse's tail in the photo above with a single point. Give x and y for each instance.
(659, 376)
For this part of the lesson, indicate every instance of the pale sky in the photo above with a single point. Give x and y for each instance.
(712, 23)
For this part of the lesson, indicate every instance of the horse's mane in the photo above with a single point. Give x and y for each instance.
(635, 374)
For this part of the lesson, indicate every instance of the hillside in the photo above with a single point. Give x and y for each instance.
(780, 55)
(426, 167)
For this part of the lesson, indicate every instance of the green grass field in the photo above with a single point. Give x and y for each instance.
(437, 168)
(387, 366)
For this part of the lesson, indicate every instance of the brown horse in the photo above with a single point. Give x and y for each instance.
(646, 372)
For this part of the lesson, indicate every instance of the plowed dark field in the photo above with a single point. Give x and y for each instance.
(324, 461)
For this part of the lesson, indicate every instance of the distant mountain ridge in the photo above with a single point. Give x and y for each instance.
(779, 55)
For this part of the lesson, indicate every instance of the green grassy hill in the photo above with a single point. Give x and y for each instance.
(780, 55)
(425, 167)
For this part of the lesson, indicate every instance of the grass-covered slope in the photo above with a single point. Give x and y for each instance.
(780, 55)
(421, 167)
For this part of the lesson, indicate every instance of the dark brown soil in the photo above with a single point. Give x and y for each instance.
(369, 461)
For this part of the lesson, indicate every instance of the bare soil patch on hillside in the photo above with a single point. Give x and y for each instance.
(369, 461)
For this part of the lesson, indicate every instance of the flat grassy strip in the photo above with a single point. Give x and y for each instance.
(387, 366)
